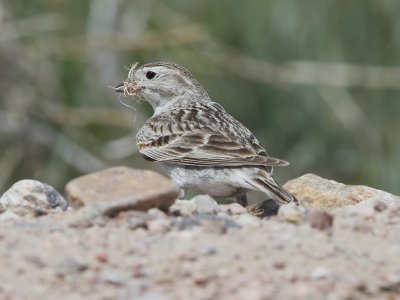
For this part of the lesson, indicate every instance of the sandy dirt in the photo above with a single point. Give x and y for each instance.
(223, 254)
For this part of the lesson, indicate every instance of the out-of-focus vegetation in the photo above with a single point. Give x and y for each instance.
(318, 82)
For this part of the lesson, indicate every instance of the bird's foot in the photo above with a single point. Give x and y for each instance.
(256, 210)
(266, 208)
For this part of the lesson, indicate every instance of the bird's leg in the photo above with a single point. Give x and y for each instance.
(241, 198)
(254, 209)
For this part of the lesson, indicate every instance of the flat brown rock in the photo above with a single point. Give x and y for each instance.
(120, 188)
(317, 192)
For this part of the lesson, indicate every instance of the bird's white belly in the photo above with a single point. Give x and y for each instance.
(216, 182)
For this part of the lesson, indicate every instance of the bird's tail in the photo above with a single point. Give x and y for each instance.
(265, 183)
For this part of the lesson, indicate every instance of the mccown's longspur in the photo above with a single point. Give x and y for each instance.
(201, 147)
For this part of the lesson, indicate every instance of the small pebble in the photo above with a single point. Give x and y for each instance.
(157, 213)
(184, 208)
(204, 204)
(137, 223)
(248, 220)
(208, 223)
(36, 260)
(234, 209)
(319, 273)
(159, 225)
(69, 266)
(113, 277)
(380, 206)
(212, 226)
(102, 257)
(201, 279)
(292, 213)
(138, 219)
(208, 251)
(320, 219)
(279, 264)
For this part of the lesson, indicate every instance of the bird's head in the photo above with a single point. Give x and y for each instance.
(161, 83)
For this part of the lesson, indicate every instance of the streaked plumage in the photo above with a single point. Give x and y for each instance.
(201, 146)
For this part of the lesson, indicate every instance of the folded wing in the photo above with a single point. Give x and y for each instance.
(201, 136)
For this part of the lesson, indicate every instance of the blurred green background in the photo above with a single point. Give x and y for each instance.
(318, 82)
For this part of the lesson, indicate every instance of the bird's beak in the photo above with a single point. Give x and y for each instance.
(120, 87)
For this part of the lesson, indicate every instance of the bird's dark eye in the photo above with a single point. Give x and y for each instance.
(150, 75)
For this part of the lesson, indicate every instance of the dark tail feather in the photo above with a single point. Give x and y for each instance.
(270, 186)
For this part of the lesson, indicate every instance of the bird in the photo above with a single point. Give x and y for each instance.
(200, 146)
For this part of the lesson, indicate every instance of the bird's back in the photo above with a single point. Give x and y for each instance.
(199, 134)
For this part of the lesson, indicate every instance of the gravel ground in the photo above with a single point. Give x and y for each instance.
(220, 253)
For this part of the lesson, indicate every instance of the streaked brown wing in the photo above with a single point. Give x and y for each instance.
(201, 136)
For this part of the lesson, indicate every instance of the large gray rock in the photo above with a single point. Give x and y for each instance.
(27, 197)
(317, 192)
(118, 189)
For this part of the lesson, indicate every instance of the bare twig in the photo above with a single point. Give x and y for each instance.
(309, 73)
(43, 134)
(83, 116)
(122, 42)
